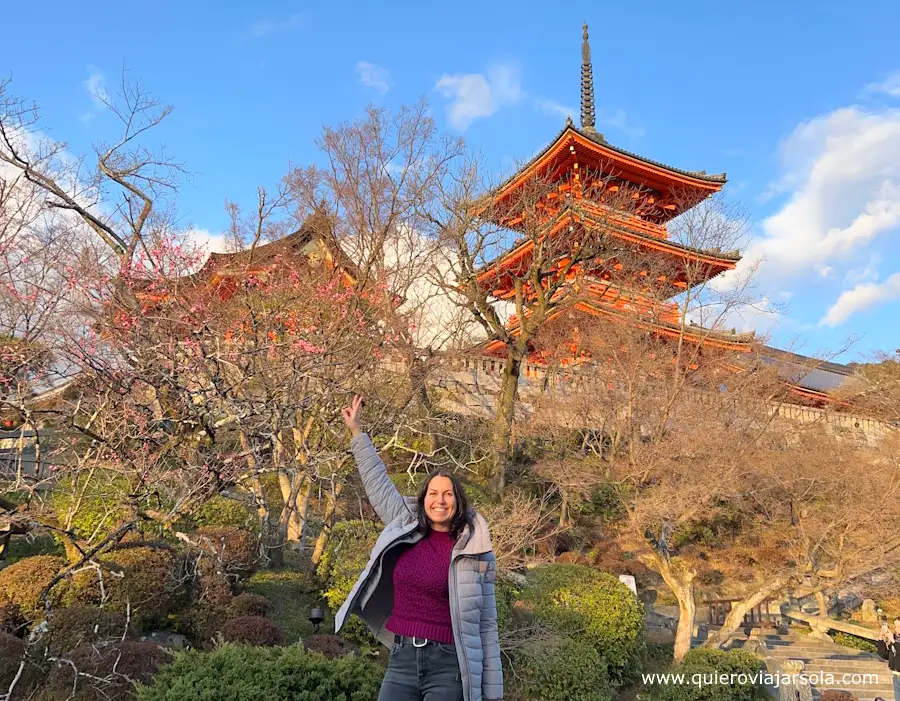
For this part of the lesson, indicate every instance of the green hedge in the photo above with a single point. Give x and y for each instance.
(592, 607)
(702, 662)
(241, 673)
(562, 670)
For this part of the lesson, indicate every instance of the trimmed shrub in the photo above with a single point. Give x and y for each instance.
(100, 502)
(342, 562)
(242, 673)
(73, 626)
(113, 669)
(252, 630)
(592, 607)
(329, 645)
(12, 622)
(12, 652)
(563, 669)
(223, 511)
(707, 661)
(148, 584)
(290, 595)
(234, 550)
(22, 583)
(247, 604)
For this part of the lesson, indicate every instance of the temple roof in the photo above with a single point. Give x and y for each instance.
(600, 141)
(316, 229)
(808, 373)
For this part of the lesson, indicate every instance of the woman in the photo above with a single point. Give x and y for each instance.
(427, 591)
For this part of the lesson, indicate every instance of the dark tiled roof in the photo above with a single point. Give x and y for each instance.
(808, 373)
(599, 138)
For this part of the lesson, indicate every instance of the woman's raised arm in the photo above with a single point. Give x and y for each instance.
(383, 495)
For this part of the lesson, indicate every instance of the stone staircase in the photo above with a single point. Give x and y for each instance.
(845, 665)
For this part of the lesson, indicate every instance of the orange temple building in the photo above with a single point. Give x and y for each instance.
(582, 169)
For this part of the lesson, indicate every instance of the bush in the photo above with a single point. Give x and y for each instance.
(22, 583)
(506, 593)
(708, 661)
(100, 502)
(12, 652)
(113, 669)
(12, 622)
(224, 511)
(855, 642)
(342, 562)
(264, 674)
(564, 669)
(234, 550)
(247, 604)
(148, 584)
(73, 626)
(592, 607)
(329, 645)
(252, 630)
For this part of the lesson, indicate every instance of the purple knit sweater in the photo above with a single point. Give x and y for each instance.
(422, 590)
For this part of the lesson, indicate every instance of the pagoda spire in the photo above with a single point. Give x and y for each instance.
(587, 83)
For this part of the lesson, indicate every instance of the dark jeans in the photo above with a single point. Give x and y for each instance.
(429, 673)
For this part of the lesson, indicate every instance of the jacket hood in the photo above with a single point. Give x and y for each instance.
(477, 537)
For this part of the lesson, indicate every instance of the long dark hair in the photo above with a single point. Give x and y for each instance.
(461, 518)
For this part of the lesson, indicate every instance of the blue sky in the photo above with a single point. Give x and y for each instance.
(798, 102)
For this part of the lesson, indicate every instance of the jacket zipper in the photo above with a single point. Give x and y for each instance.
(457, 633)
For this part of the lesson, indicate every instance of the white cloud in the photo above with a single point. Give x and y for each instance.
(542, 104)
(476, 95)
(374, 76)
(95, 85)
(826, 271)
(618, 120)
(860, 298)
(889, 86)
(266, 27)
(842, 175)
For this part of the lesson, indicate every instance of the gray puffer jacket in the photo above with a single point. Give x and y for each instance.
(473, 569)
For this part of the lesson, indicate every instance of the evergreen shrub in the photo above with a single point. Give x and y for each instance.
(21, 583)
(708, 662)
(240, 673)
(563, 669)
(592, 607)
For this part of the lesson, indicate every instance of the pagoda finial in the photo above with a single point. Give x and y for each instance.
(587, 83)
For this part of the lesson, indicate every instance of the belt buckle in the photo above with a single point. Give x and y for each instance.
(424, 642)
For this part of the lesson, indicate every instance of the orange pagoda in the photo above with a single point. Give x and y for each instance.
(582, 168)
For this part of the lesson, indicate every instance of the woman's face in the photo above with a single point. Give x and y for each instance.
(440, 503)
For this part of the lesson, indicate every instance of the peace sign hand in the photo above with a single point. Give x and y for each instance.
(350, 414)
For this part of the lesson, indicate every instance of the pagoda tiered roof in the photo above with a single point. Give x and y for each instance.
(590, 150)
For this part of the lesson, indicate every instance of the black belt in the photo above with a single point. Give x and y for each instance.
(415, 641)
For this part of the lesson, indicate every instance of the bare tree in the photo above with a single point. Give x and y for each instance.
(518, 260)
